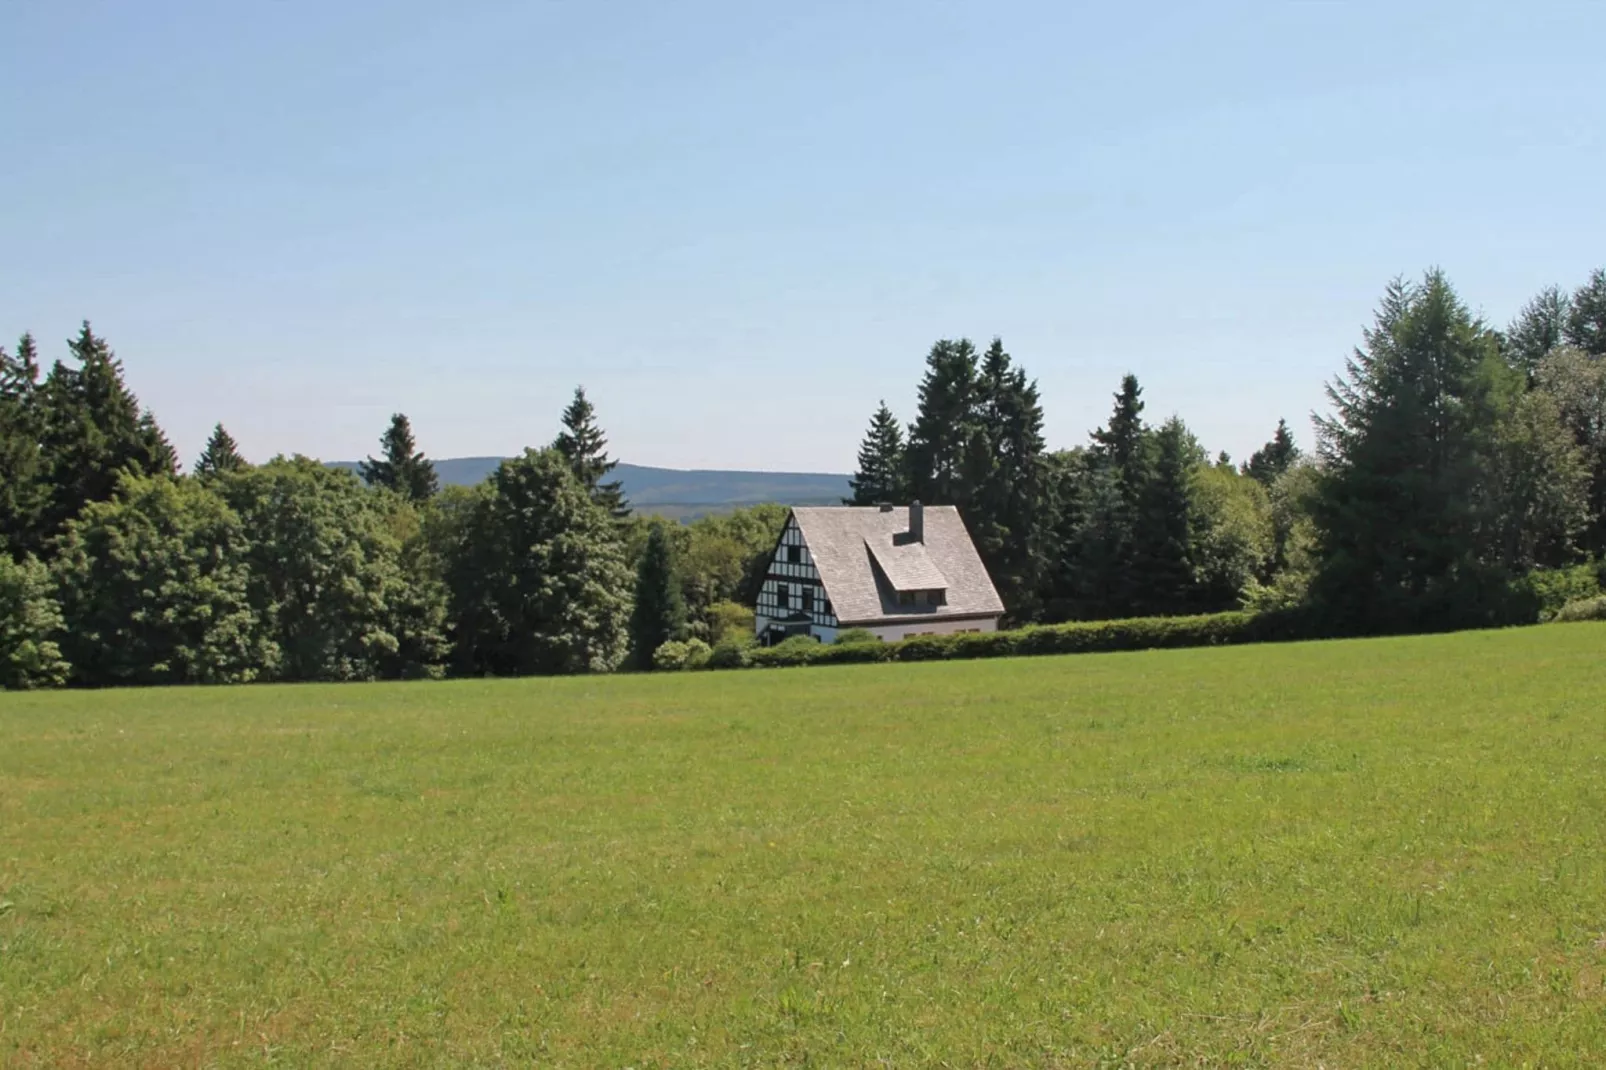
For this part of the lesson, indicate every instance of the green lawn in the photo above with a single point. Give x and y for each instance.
(1387, 852)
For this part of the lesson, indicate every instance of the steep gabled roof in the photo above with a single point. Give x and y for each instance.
(850, 545)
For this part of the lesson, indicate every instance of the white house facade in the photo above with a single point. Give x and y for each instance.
(896, 572)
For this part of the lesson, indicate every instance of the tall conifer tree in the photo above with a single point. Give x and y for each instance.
(659, 614)
(1123, 442)
(943, 429)
(1411, 433)
(1270, 461)
(585, 447)
(1008, 511)
(92, 430)
(220, 455)
(403, 468)
(1540, 327)
(1586, 315)
(1162, 570)
(880, 477)
(22, 489)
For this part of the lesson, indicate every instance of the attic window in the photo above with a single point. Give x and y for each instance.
(794, 554)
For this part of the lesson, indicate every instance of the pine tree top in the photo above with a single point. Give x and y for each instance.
(221, 454)
(584, 446)
(403, 468)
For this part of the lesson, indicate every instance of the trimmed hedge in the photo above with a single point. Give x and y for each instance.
(1078, 637)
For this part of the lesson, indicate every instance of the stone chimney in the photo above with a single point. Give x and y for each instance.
(917, 522)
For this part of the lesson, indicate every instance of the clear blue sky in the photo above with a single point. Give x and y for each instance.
(740, 224)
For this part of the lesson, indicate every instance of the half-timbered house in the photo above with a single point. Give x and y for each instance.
(898, 572)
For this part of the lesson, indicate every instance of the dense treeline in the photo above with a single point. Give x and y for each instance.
(1456, 459)
(1457, 463)
(117, 569)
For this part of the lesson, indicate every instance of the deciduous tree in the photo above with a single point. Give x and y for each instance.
(537, 575)
(30, 624)
(327, 575)
(155, 590)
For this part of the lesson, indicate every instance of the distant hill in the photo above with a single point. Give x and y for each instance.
(681, 493)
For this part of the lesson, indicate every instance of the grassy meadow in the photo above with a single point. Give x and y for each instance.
(1371, 853)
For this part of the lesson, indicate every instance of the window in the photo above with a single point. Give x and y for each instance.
(937, 598)
(808, 599)
(906, 598)
(783, 596)
(794, 554)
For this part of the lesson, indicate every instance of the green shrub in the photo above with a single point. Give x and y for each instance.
(671, 656)
(798, 650)
(1583, 609)
(853, 653)
(697, 654)
(849, 636)
(1553, 589)
(732, 653)
(30, 619)
(729, 620)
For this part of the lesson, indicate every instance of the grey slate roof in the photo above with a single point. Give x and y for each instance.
(844, 540)
(907, 567)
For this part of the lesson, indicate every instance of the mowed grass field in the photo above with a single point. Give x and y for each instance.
(1384, 852)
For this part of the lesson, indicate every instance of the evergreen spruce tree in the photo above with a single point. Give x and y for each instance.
(941, 437)
(403, 468)
(1162, 568)
(22, 487)
(220, 455)
(1586, 315)
(92, 432)
(1123, 442)
(1540, 327)
(584, 446)
(1401, 499)
(19, 375)
(1009, 513)
(1267, 464)
(1098, 500)
(659, 614)
(880, 477)
(163, 457)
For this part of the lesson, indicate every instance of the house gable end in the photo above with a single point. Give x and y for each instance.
(793, 594)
